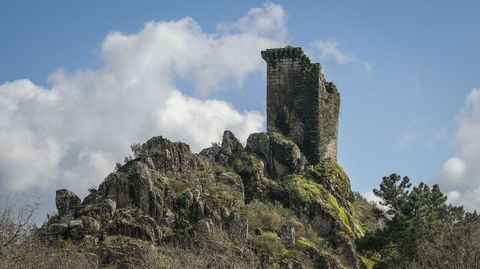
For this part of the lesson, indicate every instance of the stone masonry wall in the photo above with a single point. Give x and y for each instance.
(300, 103)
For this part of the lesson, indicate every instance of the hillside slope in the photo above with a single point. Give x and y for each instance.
(259, 206)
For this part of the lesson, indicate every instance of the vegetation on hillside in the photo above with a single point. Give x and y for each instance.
(256, 207)
(420, 229)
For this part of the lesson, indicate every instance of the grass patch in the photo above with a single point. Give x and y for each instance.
(270, 243)
(302, 242)
(369, 263)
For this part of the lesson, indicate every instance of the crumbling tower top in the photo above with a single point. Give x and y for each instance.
(300, 103)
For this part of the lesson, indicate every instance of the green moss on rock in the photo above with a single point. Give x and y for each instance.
(302, 242)
(304, 190)
(281, 139)
(331, 175)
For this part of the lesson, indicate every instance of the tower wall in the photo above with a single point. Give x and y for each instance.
(300, 103)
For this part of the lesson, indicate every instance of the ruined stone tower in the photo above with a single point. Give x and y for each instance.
(301, 104)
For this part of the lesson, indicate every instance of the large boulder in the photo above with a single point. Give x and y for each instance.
(99, 208)
(67, 202)
(224, 153)
(75, 229)
(230, 144)
(57, 230)
(90, 225)
(280, 154)
(131, 186)
(167, 156)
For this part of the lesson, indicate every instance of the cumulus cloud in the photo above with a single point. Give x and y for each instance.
(460, 175)
(71, 133)
(454, 169)
(371, 197)
(329, 50)
(269, 20)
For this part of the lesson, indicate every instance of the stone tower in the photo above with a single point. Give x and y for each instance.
(301, 104)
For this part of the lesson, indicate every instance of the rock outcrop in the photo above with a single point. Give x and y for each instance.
(67, 202)
(167, 196)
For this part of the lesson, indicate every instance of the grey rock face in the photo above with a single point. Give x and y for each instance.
(57, 230)
(204, 228)
(223, 154)
(346, 246)
(259, 143)
(230, 144)
(239, 227)
(324, 225)
(131, 186)
(142, 227)
(90, 225)
(287, 157)
(233, 180)
(212, 153)
(99, 208)
(75, 228)
(195, 205)
(67, 202)
(169, 156)
(281, 155)
(287, 234)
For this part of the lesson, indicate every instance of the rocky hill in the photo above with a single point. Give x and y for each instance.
(230, 206)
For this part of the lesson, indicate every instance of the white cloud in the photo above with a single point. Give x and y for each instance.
(329, 50)
(453, 197)
(454, 169)
(269, 20)
(371, 197)
(70, 134)
(460, 175)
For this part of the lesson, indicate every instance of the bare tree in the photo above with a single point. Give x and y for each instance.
(21, 247)
(16, 222)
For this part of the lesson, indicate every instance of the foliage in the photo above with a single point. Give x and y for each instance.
(419, 225)
(269, 243)
(21, 248)
(364, 211)
(271, 217)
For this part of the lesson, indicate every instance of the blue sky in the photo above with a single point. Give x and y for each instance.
(404, 69)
